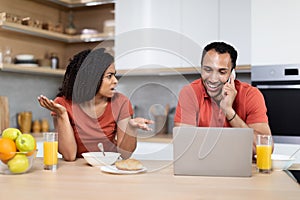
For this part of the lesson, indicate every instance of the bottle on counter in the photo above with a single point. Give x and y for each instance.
(54, 61)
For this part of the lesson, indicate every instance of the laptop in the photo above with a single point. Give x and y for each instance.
(212, 151)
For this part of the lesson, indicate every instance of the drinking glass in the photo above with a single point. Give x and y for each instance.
(263, 153)
(50, 151)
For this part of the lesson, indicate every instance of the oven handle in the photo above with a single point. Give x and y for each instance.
(278, 86)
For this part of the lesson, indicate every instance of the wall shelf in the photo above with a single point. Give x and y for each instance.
(31, 70)
(79, 3)
(53, 35)
(133, 72)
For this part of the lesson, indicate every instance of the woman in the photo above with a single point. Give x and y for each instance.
(88, 110)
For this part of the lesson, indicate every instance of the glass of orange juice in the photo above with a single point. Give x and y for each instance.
(263, 153)
(50, 151)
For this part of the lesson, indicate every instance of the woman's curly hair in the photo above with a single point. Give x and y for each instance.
(84, 75)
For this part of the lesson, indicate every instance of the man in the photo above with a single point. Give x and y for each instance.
(217, 100)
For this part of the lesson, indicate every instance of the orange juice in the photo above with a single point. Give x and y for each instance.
(263, 159)
(50, 153)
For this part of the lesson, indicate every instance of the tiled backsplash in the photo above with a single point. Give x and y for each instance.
(22, 91)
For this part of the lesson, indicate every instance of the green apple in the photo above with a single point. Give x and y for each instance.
(18, 164)
(11, 133)
(25, 142)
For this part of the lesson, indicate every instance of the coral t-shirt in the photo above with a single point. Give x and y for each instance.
(196, 108)
(90, 131)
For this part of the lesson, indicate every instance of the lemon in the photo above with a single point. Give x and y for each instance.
(18, 164)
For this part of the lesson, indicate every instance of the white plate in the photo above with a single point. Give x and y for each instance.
(114, 170)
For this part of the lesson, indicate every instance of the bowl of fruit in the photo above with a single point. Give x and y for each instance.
(17, 151)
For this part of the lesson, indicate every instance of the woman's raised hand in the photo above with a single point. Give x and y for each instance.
(141, 123)
(50, 105)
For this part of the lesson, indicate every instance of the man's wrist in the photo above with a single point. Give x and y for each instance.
(231, 116)
(229, 120)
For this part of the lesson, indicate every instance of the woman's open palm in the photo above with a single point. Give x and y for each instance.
(51, 105)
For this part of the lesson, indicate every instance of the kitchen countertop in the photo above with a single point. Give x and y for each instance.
(78, 180)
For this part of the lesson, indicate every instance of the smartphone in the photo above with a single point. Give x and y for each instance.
(232, 73)
(294, 174)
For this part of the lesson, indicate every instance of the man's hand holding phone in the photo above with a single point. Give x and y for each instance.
(229, 93)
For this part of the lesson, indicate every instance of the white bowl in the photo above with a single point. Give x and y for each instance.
(24, 57)
(281, 162)
(97, 158)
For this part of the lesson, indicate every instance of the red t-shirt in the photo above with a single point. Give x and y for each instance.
(196, 108)
(90, 131)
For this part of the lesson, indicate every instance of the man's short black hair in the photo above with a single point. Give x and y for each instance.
(221, 47)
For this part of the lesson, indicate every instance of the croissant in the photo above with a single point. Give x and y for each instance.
(129, 164)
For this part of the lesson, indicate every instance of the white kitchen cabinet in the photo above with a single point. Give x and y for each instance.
(147, 33)
(204, 21)
(235, 27)
(199, 26)
(275, 32)
(160, 34)
(172, 33)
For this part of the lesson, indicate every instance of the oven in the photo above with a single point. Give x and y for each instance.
(280, 86)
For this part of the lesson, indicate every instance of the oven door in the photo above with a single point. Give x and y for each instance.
(283, 104)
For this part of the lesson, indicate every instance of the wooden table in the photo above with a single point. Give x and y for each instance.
(77, 180)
